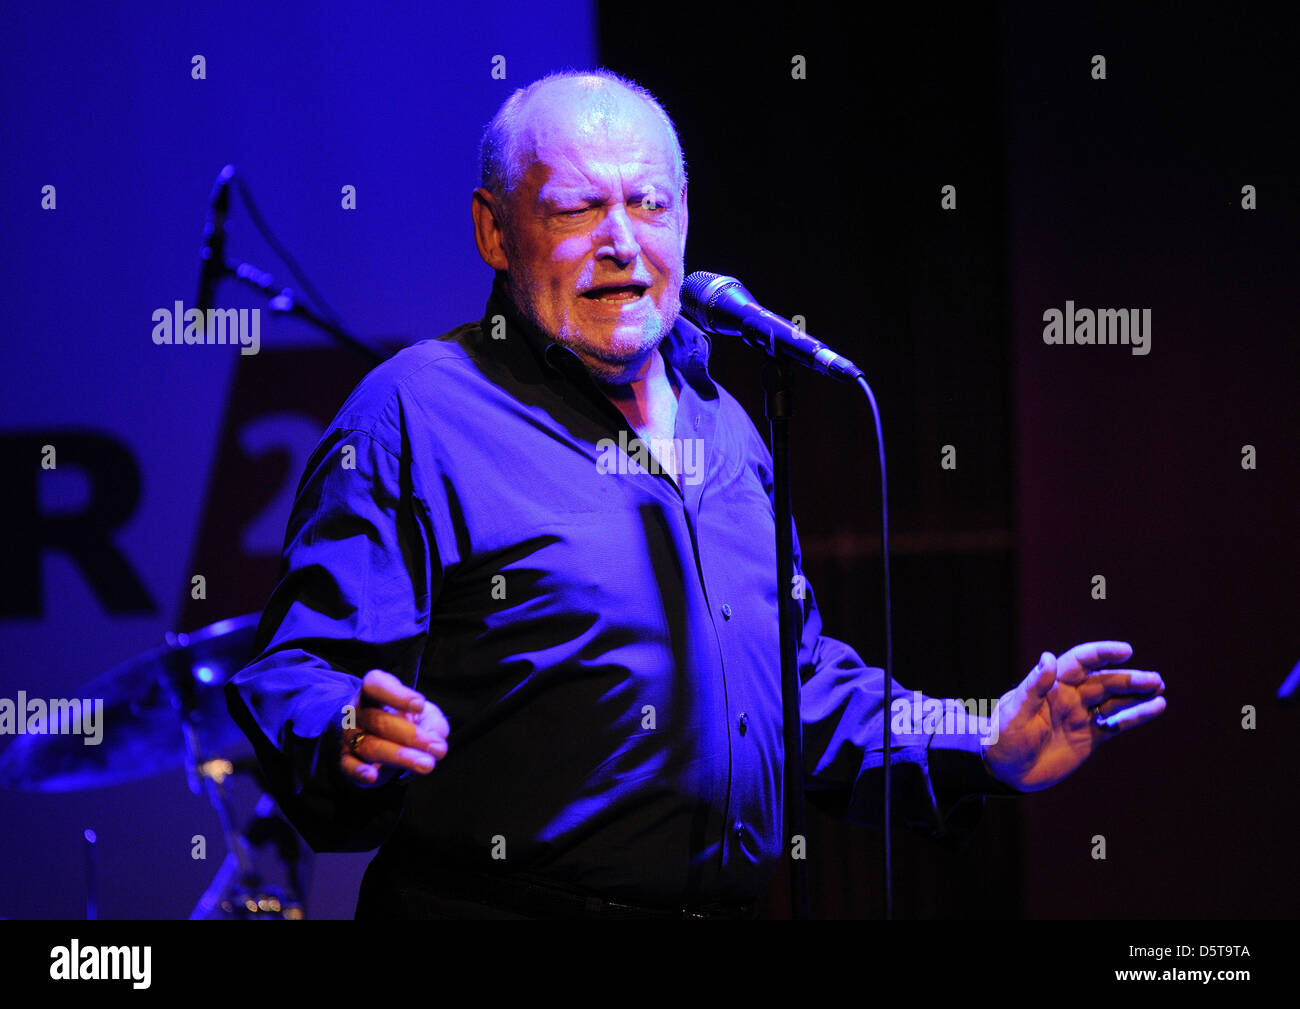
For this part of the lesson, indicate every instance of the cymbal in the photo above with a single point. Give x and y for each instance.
(145, 702)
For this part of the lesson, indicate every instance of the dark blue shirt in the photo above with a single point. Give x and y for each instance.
(602, 640)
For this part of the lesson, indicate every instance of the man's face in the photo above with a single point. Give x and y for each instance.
(595, 232)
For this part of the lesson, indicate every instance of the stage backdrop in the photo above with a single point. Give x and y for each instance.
(1157, 491)
(356, 128)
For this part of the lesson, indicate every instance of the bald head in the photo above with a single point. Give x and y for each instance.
(590, 102)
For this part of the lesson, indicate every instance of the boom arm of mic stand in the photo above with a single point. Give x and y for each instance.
(283, 299)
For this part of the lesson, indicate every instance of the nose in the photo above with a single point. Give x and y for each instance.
(617, 237)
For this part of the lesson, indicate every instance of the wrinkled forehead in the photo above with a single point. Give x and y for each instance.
(582, 133)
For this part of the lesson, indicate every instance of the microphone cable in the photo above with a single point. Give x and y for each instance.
(886, 818)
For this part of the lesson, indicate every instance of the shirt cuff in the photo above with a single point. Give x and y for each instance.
(957, 767)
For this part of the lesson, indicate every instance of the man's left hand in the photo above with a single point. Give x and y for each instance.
(1064, 709)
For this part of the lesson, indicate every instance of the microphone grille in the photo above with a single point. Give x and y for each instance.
(695, 286)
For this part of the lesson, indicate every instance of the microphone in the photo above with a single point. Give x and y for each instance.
(212, 257)
(1289, 692)
(722, 305)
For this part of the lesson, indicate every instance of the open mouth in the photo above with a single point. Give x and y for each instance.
(616, 294)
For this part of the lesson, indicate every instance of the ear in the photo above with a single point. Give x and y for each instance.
(489, 232)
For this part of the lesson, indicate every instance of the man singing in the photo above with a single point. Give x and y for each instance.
(549, 686)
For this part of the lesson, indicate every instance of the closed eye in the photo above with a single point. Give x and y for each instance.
(650, 202)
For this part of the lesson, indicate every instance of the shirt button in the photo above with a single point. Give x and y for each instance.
(726, 610)
(740, 829)
(742, 722)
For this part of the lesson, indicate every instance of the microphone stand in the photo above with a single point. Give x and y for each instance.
(283, 300)
(778, 386)
(213, 268)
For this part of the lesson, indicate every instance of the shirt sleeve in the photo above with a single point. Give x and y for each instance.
(938, 778)
(357, 580)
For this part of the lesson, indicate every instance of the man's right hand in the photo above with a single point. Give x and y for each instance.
(397, 730)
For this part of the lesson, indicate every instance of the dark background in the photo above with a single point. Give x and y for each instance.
(842, 172)
(823, 196)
